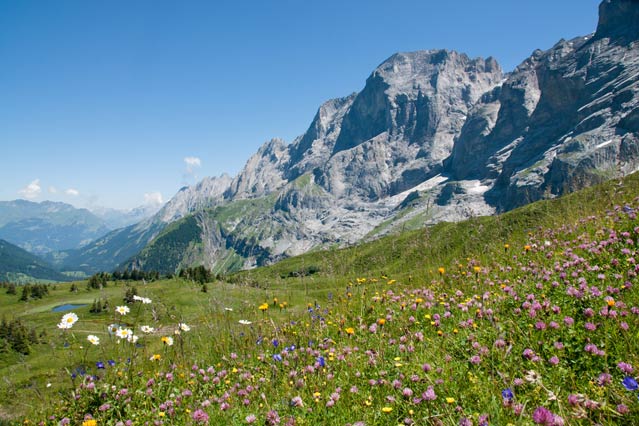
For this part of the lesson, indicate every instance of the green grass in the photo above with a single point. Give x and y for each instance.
(428, 326)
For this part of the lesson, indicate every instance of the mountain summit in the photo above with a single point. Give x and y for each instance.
(434, 135)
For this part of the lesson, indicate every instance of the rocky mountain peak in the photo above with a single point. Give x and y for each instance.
(418, 96)
(263, 172)
(206, 193)
(421, 71)
(618, 19)
(313, 148)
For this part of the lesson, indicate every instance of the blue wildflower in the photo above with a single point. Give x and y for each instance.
(321, 361)
(276, 343)
(630, 383)
(100, 365)
(111, 362)
(277, 357)
(507, 394)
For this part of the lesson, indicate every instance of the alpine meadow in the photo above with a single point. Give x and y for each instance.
(452, 245)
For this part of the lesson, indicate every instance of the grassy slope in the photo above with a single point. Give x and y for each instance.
(416, 253)
(412, 259)
(19, 265)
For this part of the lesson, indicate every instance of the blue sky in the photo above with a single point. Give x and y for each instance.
(121, 102)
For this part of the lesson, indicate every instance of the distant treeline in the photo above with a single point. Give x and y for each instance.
(198, 274)
(135, 275)
(27, 291)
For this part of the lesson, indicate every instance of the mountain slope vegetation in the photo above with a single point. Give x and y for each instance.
(18, 265)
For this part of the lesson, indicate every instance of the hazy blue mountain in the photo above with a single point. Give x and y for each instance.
(18, 265)
(48, 226)
(110, 250)
(115, 218)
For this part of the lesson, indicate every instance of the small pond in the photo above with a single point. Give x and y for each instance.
(67, 307)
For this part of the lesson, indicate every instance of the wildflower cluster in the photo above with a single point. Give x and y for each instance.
(542, 333)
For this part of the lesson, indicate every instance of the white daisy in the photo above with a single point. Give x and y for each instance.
(245, 322)
(144, 300)
(146, 329)
(68, 320)
(93, 339)
(124, 333)
(168, 340)
(122, 310)
(184, 327)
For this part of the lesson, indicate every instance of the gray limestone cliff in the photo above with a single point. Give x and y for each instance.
(563, 120)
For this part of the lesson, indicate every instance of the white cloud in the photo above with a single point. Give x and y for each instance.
(32, 190)
(53, 190)
(153, 198)
(72, 192)
(192, 161)
(191, 164)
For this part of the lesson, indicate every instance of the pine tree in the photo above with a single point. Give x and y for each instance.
(26, 290)
(4, 328)
(20, 341)
(33, 337)
(128, 296)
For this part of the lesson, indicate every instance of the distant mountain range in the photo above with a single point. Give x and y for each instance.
(49, 229)
(18, 265)
(115, 219)
(433, 136)
(48, 226)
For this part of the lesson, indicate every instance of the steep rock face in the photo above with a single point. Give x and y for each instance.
(403, 123)
(263, 172)
(565, 118)
(385, 139)
(618, 19)
(311, 150)
(206, 193)
(582, 130)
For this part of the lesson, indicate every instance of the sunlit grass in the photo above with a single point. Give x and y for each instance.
(527, 318)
